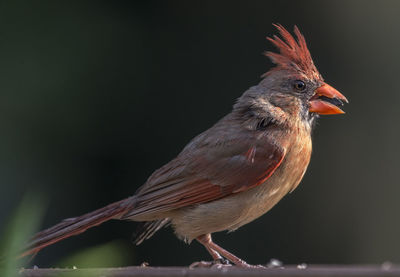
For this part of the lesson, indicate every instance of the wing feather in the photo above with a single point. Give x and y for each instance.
(206, 171)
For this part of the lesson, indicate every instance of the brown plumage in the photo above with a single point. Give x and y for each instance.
(235, 171)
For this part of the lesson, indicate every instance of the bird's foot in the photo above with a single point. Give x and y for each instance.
(243, 264)
(218, 263)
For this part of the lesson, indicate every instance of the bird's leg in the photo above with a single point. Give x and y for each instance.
(217, 251)
(217, 258)
(205, 240)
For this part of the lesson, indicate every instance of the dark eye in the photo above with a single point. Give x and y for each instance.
(299, 85)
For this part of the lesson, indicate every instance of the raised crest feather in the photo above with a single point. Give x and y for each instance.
(293, 54)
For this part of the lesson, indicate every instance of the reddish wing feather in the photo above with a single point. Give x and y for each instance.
(208, 174)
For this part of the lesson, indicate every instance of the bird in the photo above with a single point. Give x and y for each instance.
(235, 171)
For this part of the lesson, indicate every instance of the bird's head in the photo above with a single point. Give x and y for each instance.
(295, 84)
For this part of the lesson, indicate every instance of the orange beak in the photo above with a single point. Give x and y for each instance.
(327, 100)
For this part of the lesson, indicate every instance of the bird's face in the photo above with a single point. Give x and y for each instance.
(289, 88)
(295, 84)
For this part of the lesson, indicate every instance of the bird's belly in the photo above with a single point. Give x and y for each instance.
(232, 212)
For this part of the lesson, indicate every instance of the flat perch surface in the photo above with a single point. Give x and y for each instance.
(311, 270)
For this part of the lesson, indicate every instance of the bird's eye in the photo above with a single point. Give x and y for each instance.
(299, 85)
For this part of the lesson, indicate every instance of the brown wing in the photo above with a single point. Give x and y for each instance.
(207, 170)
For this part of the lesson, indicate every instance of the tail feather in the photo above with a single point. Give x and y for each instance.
(147, 229)
(74, 226)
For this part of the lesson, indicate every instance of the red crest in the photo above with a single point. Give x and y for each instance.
(293, 54)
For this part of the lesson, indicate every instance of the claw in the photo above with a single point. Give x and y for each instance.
(201, 264)
(218, 263)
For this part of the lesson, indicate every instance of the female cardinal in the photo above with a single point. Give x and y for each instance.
(235, 171)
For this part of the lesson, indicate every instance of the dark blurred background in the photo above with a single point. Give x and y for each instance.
(94, 96)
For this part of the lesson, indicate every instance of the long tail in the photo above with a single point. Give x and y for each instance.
(74, 226)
